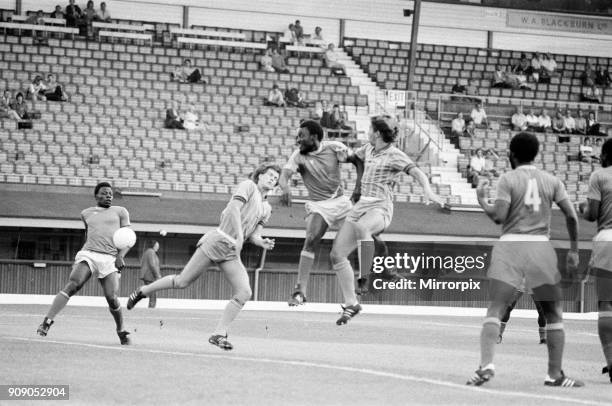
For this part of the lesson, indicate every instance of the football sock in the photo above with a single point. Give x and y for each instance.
(118, 316)
(304, 267)
(232, 309)
(604, 328)
(346, 280)
(542, 332)
(60, 301)
(365, 251)
(167, 282)
(555, 341)
(488, 339)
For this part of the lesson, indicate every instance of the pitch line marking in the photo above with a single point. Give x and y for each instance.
(367, 371)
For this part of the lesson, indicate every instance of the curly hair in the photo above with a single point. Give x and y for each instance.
(261, 169)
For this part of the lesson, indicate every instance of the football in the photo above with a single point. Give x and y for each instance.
(124, 238)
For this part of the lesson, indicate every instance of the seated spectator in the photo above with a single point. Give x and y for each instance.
(533, 124)
(490, 157)
(6, 109)
(459, 87)
(278, 62)
(545, 121)
(103, 14)
(73, 14)
(457, 129)
(338, 122)
(331, 61)
(570, 123)
(470, 129)
(602, 77)
(558, 124)
(191, 121)
(523, 66)
(295, 98)
(476, 168)
(596, 154)
(20, 107)
(173, 117)
(36, 90)
(593, 127)
(58, 13)
(325, 114)
(479, 116)
(536, 66)
(266, 61)
(499, 77)
(275, 98)
(55, 91)
(317, 38)
(519, 120)
(581, 123)
(586, 150)
(590, 94)
(549, 68)
(187, 73)
(588, 76)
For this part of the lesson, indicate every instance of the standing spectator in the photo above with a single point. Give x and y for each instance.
(519, 120)
(581, 123)
(187, 73)
(149, 269)
(6, 109)
(457, 129)
(558, 124)
(275, 98)
(278, 62)
(36, 90)
(602, 77)
(299, 32)
(266, 61)
(173, 117)
(74, 15)
(289, 34)
(570, 123)
(20, 107)
(55, 91)
(545, 121)
(104, 15)
(331, 61)
(533, 124)
(58, 13)
(37, 19)
(479, 116)
(591, 94)
(588, 76)
(89, 16)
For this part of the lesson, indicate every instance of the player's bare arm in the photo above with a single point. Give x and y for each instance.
(284, 183)
(233, 211)
(359, 167)
(257, 239)
(498, 211)
(571, 221)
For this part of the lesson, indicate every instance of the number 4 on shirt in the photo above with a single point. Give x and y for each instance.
(532, 197)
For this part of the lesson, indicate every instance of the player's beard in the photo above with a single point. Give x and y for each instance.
(306, 149)
(105, 205)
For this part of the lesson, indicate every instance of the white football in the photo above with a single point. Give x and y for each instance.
(124, 238)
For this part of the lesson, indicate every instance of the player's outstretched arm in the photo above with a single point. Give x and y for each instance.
(498, 212)
(420, 176)
(283, 182)
(359, 167)
(257, 239)
(571, 221)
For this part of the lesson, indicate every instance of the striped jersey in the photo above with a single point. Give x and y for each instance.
(102, 222)
(380, 170)
(530, 193)
(255, 210)
(600, 189)
(320, 169)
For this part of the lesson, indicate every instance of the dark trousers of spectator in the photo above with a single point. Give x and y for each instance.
(195, 76)
(56, 95)
(152, 296)
(281, 70)
(269, 103)
(338, 71)
(174, 124)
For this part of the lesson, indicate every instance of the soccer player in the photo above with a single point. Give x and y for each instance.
(98, 257)
(319, 164)
(598, 207)
(372, 214)
(541, 319)
(525, 255)
(243, 218)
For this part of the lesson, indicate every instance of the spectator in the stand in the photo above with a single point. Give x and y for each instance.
(191, 121)
(187, 73)
(37, 19)
(519, 120)
(523, 66)
(299, 32)
(73, 14)
(457, 129)
(591, 94)
(278, 62)
(275, 97)
(58, 13)
(55, 91)
(479, 116)
(266, 61)
(295, 98)
(331, 61)
(549, 68)
(459, 87)
(89, 16)
(338, 121)
(477, 168)
(103, 14)
(20, 107)
(173, 117)
(317, 111)
(289, 34)
(536, 66)
(470, 129)
(581, 123)
(602, 77)
(558, 124)
(490, 157)
(36, 90)
(570, 123)
(586, 150)
(325, 114)
(588, 76)
(597, 148)
(6, 110)
(533, 124)
(545, 121)
(499, 77)
(593, 127)
(318, 39)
